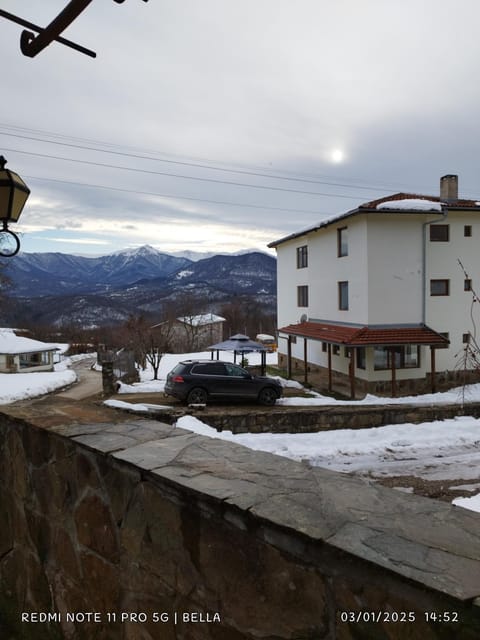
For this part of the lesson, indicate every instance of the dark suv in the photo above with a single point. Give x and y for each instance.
(197, 381)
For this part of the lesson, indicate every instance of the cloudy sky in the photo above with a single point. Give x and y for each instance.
(221, 125)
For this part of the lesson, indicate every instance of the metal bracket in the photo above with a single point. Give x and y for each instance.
(31, 44)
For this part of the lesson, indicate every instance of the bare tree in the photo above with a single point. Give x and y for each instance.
(148, 343)
(470, 355)
(187, 310)
(248, 315)
(153, 356)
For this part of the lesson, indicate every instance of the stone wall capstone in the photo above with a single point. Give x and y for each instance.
(163, 534)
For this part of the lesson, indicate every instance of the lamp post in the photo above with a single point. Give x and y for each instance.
(13, 196)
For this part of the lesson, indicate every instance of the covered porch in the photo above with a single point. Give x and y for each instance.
(366, 353)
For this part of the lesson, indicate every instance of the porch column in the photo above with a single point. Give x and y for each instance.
(351, 368)
(305, 361)
(432, 368)
(289, 357)
(329, 347)
(394, 373)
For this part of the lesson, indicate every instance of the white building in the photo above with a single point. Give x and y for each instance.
(24, 355)
(377, 297)
(192, 333)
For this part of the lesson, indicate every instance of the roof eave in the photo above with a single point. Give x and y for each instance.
(317, 227)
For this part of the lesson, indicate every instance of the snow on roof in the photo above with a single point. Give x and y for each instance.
(397, 201)
(264, 336)
(411, 204)
(12, 344)
(203, 319)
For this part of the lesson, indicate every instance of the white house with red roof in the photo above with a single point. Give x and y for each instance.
(380, 297)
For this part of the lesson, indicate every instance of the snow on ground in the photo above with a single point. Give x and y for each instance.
(407, 449)
(458, 395)
(21, 386)
(443, 450)
(140, 407)
(440, 450)
(469, 503)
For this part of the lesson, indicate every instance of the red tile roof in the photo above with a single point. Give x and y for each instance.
(365, 336)
(415, 196)
(368, 207)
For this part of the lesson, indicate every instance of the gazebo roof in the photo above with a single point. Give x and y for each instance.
(238, 343)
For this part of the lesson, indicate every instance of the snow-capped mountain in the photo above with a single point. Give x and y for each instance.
(57, 288)
(43, 274)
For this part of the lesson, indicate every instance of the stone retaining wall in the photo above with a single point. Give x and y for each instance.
(221, 543)
(312, 419)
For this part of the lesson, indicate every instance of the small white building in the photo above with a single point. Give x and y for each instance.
(376, 297)
(192, 332)
(24, 355)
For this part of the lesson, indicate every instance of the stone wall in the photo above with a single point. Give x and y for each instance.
(312, 419)
(109, 528)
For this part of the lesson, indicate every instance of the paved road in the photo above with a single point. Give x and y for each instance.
(89, 382)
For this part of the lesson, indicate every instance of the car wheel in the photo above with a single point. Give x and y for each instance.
(197, 396)
(267, 396)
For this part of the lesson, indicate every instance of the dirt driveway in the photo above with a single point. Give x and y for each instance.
(89, 382)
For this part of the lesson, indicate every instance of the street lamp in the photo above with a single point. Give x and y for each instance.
(13, 196)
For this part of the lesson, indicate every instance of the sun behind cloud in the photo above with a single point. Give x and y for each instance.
(337, 155)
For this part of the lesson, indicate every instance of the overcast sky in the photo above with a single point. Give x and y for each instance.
(267, 114)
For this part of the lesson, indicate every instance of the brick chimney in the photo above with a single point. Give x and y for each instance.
(449, 187)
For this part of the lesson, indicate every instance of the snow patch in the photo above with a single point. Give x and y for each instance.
(468, 503)
(411, 203)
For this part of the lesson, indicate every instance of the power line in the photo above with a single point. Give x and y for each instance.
(200, 166)
(175, 197)
(183, 177)
(383, 187)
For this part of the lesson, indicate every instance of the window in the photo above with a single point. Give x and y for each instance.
(406, 357)
(467, 231)
(343, 296)
(336, 350)
(302, 296)
(439, 287)
(235, 370)
(210, 369)
(466, 338)
(361, 358)
(30, 360)
(342, 242)
(439, 233)
(302, 257)
(324, 347)
(467, 284)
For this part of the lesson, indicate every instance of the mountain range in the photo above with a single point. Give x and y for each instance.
(60, 289)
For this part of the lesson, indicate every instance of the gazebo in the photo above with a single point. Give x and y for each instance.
(241, 344)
